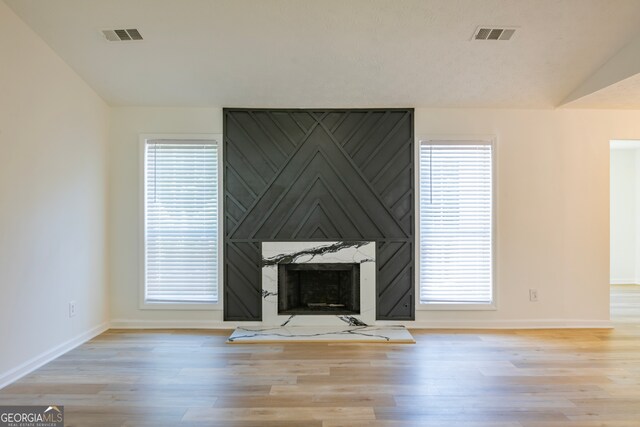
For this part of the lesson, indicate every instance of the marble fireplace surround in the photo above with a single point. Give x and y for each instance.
(300, 252)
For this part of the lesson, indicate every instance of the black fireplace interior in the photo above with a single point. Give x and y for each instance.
(319, 288)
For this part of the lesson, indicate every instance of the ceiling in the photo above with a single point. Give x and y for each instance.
(338, 53)
(624, 94)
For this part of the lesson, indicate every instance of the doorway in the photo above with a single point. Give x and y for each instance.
(625, 229)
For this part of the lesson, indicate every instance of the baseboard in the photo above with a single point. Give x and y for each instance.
(46, 357)
(423, 324)
(177, 324)
(506, 324)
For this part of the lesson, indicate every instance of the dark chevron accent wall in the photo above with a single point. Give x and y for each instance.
(318, 175)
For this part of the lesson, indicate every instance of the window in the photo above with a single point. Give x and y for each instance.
(180, 221)
(456, 222)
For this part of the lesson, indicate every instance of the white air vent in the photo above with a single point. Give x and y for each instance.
(493, 33)
(122, 35)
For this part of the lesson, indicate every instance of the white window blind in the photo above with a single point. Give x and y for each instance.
(181, 221)
(456, 222)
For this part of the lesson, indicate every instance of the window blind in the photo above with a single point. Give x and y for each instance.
(181, 221)
(456, 223)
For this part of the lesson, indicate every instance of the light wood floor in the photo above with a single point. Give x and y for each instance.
(578, 378)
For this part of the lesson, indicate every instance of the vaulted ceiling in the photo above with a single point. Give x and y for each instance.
(349, 53)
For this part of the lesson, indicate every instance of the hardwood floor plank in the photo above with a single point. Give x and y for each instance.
(466, 415)
(277, 414)
(53, 388)
(310, 400)
(421, 423)
(105, 416)
(483, 402)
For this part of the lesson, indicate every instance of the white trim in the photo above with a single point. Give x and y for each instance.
(161, 305)
(142, 304)
(421, 324)
(504, 324)
(456, 306)
(458, 139)
(623, 282)
(178, 324)
(36, 362)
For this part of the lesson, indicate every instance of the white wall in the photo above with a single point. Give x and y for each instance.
(623, 216)
(53, 134)
(552, 211)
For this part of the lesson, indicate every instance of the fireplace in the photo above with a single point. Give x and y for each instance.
(318, 283)
(327, 288)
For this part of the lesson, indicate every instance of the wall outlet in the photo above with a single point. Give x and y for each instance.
(533, 295)
(72, 308)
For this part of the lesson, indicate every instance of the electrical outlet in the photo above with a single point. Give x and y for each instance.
(72, 308)
(533, 295)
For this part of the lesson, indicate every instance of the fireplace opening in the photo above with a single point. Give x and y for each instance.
(319, 288)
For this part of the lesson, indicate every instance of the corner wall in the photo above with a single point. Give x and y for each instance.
(53, 183)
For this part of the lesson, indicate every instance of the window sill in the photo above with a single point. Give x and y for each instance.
(456, 307)
(180, 306)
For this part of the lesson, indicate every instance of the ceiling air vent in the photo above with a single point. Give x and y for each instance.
(493, 33)
(122, 35)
